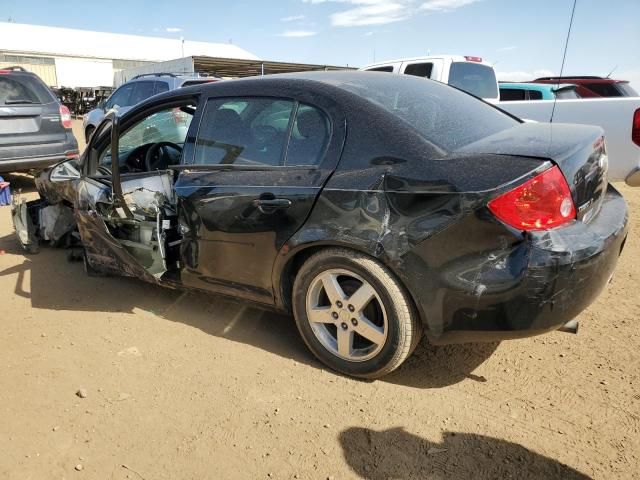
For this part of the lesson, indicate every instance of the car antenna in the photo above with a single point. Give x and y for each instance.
(613, 70)
(564, 56)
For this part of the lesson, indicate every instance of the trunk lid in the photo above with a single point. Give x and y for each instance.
(578, 150)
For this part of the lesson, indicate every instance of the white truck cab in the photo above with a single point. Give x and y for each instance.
(467, 73)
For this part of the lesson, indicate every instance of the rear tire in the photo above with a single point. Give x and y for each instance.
(353, 314)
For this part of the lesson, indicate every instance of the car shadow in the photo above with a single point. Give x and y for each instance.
(396, 453)
(50, 281)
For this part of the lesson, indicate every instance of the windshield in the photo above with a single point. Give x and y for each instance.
(444, 116)
(23, 89)
(475, 78)
(627, 90)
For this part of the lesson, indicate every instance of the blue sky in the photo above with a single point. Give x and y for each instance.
(523, 38)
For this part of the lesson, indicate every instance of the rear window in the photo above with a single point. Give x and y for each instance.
(388, 68)
(567, 94)
(444, 116)
(605, 89)
(511, 94)
(627, 90)
(23, 89)
(475, 78)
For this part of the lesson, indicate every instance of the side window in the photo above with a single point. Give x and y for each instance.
(309, 137)
(120, 97)
(161, 87)
(168, 125)
(251, 131)
(388, 68)
(511, 94)
(419, 69)
(535, 95)
(141, 91)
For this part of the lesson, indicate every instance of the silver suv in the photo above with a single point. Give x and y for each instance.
(134, 91)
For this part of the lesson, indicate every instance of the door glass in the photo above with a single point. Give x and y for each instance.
(168, 125)
(120, 97)
(309, 137)
(161, 87)
(387, 68)
(141, 91)
(419, 69)
(250, 131)
(511, 94)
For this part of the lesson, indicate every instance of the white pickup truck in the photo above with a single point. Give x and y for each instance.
(465, 72)
(619, 117)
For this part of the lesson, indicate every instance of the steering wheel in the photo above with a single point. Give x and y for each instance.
(158, 155)
(103, 170)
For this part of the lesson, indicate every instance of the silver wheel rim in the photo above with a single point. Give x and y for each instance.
(346, 315)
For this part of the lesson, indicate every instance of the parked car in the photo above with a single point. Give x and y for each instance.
(136, 90)
(591, 86)
(467, 73)
(35, 130)
(618, 117)
(511, 91)
(437, 213)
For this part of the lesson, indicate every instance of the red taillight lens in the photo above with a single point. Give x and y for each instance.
(65, 116)
(538, 204)
(635, 129)
(469, 58)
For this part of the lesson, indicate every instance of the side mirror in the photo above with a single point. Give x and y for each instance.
(65, 171)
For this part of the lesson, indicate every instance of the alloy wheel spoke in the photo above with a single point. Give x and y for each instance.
(345, 342)
(361, 297)
(368, 330)
(332, 288)
(320, 315)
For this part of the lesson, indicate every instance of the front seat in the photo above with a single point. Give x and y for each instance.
(306, 150)
(220, 139)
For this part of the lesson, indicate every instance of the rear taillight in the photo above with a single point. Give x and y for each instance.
(635, 128)
(540, 203)
(65, 116)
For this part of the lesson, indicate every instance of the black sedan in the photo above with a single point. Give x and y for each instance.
(373, 207)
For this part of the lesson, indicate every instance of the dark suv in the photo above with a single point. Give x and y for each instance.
(134, 91)
(591, 86)
(35, 130)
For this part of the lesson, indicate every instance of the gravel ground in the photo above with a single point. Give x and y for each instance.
(111, 378)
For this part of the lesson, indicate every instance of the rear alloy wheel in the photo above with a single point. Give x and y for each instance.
(353, 314)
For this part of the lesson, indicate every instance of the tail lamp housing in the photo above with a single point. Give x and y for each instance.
(65, 116)
(541, 203)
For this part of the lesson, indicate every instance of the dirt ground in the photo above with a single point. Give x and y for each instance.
(189, 386)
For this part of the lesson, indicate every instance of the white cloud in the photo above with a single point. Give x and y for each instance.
(506, 49)
(445, 5)
(297, 33)
(523, 76)
(173, 29)
(380, 12)
(368, 34)
(292, 18)
(372, 12)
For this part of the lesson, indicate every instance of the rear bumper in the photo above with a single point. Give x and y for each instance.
(535, 286)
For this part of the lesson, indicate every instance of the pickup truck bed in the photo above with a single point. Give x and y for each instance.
(614, 115)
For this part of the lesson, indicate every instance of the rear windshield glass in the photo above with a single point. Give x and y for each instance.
(567, 94)
(444, 116)
(23, 90)
(605, 89)
(475, 78)
(627, 90)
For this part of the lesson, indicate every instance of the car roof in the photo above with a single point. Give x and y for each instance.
(580, 80)
(455, 58)
(537, 86)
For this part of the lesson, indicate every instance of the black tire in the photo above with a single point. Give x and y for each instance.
(88, 133)
(403, 325)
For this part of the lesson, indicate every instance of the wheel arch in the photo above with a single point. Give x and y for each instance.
(289, 262)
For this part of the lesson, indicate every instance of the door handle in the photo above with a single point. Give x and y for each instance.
(271, 205)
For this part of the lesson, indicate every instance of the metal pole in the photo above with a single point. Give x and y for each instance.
(262, 69)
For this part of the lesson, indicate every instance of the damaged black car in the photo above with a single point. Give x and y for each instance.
(375, 208)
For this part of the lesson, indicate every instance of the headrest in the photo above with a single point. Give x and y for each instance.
(311, 123)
